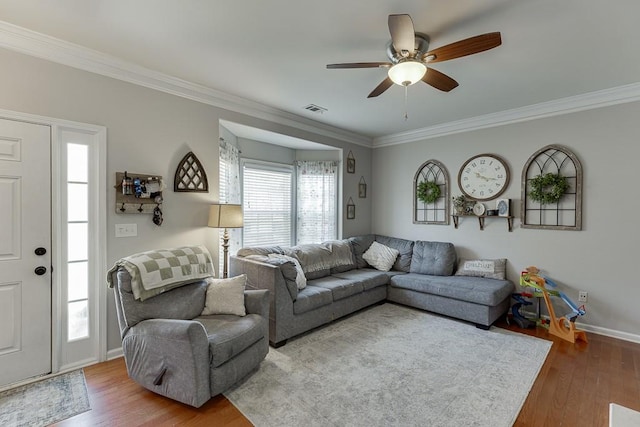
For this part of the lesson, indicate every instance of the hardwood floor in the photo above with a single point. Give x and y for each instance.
(574, 388)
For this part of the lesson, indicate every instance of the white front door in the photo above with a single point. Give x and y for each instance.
(25, 251)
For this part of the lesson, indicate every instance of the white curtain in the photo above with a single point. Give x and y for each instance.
(230, 191)
(316, 201)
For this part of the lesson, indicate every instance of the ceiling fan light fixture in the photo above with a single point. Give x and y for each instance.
(406, 73)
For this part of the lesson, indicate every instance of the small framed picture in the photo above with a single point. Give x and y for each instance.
(351, 163)
(503, 206)
(351, 211)
(362, 188)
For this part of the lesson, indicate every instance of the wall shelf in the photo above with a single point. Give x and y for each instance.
(481, 218)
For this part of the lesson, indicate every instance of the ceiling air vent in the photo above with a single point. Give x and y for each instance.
(315, 108)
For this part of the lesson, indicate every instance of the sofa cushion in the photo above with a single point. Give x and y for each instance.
(489, 292)
(230, 335)
(380, 257)
(489, 268)
(359, 245)
(434, 258)
(403, 246)
(314, 258)
(340, 288)
(225, 296)
(343, 259)
(369, 278)
(312, 297)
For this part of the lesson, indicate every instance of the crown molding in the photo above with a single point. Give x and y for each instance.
(587, 101)
(39, 45)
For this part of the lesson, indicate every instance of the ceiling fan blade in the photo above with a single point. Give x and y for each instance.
(403, 35)
(439, 80)
(464, 47)
(359, 65)
(386, 84)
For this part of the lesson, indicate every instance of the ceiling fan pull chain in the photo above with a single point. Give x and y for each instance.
(406, 109)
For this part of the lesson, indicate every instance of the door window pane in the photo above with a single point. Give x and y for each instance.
(77, 202)
(77, 286)
(78, 320)
(77, 163)
(77, 239)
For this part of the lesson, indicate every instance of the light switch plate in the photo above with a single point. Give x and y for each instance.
(126, 230)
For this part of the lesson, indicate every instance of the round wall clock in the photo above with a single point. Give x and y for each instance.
(483, 177)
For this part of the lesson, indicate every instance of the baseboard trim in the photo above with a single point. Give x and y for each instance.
(114, 353)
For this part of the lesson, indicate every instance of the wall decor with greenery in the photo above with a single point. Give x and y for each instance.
(552, 190)
(431, 194)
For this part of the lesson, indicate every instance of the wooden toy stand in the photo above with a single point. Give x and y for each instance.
(560, 327)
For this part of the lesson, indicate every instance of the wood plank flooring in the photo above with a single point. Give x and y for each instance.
(574, 388)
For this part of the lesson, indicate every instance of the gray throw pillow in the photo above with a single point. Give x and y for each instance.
(359, 245)
(403, 246)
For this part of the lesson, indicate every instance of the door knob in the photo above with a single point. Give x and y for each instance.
(40, 251)
(40, 270)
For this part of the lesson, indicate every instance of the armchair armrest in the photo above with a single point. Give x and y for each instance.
(257, 302)
(170, 357)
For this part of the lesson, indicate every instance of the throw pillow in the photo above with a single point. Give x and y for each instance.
(301, 280)
(380, 257)
(489, 268)
(225, 296)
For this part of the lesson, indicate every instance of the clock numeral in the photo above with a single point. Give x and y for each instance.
(467, 170)
(483, 161)
(497, 184)
(482, 193)
(474, 164)
(466, 178)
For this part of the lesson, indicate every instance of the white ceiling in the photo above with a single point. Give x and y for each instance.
(274, 52)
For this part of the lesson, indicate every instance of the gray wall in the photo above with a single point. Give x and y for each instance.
(147, 132)
(600, 259)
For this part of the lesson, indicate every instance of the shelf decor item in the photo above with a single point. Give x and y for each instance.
(503, 206)
(458, 204)
(483, 177)
(362, 188)
(428, 192)
(548, 188)
(351, 163)
(190, 176)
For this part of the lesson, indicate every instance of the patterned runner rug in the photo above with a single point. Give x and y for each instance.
(394, 366)
(44, 402)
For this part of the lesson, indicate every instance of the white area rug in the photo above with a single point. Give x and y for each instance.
(44, 402)
(394, 366)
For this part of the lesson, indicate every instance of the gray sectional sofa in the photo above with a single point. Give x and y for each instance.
(340, 282)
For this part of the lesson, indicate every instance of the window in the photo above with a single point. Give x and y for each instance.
(316, 201)
(267, 204)
(77, 242)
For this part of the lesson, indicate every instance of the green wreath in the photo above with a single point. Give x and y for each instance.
(428, 192)
(548, 188)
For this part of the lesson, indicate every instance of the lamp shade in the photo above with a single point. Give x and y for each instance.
(407, 73)
(225, 216)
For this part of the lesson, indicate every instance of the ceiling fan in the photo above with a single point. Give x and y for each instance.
(409, 57)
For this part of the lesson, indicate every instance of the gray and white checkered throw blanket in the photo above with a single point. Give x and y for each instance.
(154, 272)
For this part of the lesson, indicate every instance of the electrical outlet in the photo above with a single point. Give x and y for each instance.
(583, 296)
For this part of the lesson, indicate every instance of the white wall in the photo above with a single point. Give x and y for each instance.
(600, 259)
(147, 132)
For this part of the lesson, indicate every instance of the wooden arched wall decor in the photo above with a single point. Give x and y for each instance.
(566, 214)
(190, 175)
(437, 212)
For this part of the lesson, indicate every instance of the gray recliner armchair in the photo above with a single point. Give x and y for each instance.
(170, 349)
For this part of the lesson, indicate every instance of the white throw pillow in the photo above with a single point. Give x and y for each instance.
(301, 279)
(225, 296)
(380, 257)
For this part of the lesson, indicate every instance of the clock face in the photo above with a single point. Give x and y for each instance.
(483, 177)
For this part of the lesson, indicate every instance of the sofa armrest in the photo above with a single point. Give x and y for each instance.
(171, 358)
(257, 302)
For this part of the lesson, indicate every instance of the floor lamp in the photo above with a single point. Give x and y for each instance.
(225, 216)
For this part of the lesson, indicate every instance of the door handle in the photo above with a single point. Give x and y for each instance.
(40, 251)
(40, 270)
